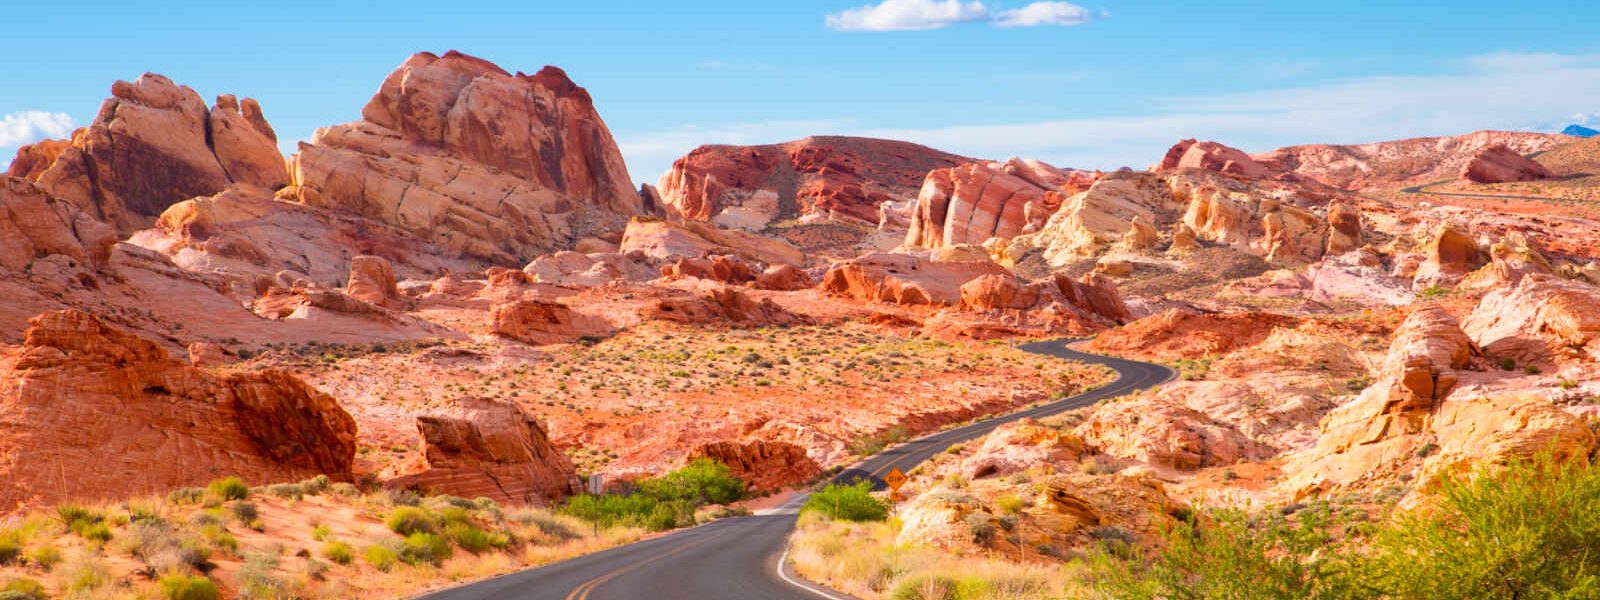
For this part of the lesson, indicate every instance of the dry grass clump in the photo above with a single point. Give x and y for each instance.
(864, 560)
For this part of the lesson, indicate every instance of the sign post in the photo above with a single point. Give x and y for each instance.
(894, 480)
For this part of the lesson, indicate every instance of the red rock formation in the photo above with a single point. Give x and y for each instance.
(1498, 163)
(971, 203)
(668, 240)
(372, 281)
(95, 413)
(489, 449)
(33, 225)
(1190, 334)
(783, 278)
(1211, 156)
(151, 145)
(905, 278)
(999, 290)
(1344, 228)
(726, 269)
(725, 305)
(540, 322)
(33, 159)
(1452, 255)
(835, 177)
(1167, 433)
(1400, 162)
(763, 466)
(461, 153)
(1539, 319)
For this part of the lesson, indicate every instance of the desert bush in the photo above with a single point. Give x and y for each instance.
(22, 588)
(380, 557)
(348, 490)
(178, 586)
(10, 546)
(338, 552)
(258, 578)
(406, 520)
(702, 481)
(315, 485)
(847, 502)
(548, 524)
(229, 488)
(472, 539)
(925, 586)
(982, 529)
(424, 548)
(84, 577)
(1010, 504)
(321, 533)
(291, 491)
(44, 556)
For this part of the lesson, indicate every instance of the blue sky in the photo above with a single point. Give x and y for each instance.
(1089, 84)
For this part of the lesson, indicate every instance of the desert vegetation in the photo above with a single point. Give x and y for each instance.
(311, 539)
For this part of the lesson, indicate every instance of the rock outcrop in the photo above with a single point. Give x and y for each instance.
(906, 278)
(1401, 162)
(1498, 163)
(1452, 254)
(725, 305)
(1540, 319)
(726, 269)
(1167, 433)
(1211, 156)
(95, 413)
(154, 143)
(669, 240)
(372, 281)
(463, 154)
(841, 178)
(763, 466)
(490, 449)
(783, 278)
(971, 203)
(34, 225)
(542, 322)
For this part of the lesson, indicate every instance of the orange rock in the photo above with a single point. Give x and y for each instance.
(726, 269)
(667, 240)
(1452, 255)
(540, 322)
(833, 177)
(999, 290)
(245, 145)
(94, 413)
(488, 449)
(971, 203)
(783, 278)
(1541, 318)
(1190, 334)
(1387, 165)
(1167, 433)
(33, 159)
(764, 466)
(725, 305)
(1211, 156)
(372, 281)
(1497, 163)
(905, 278)
(1344, 228)
(32, 225)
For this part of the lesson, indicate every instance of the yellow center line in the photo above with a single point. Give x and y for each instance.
(582, 591)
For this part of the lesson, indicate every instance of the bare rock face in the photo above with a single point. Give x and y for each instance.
(726, 269)
(1452, 254)
(32, 225)
(1542, 318)
(1401, 162)
(1211, 156)
(489, 449)
(1101, 216)
(1014, 447)
(725, 305)
(1165, 432)
(152, 145)
(1498, 163)
(668, 240)
(998, 290)
(540, 322)
(973, 202)
(906, 278)
(783, 278)
(372, 281)
(461, 153)
(764, 466)
(841, 178)
(1344, 228)
(95, 413)
(33, 159)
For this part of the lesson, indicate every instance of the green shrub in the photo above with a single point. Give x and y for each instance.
(246, 512)
(178, 586)
(406, 520)
(292, 491)
(78, 518)
(186, 496)
(45, 556)
(1009, 504)
(472, 539)
(315, 485)
(338, 552)
(926, 586)
(321, 533)
(422, 547)
(380, 557)
(229, 488)
(847, 502)
(258, 578)
(10, 546)
(608, 509)
(97, 532)
(22, 588)
(702, 481)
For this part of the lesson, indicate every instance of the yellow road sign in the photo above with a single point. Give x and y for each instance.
(894, 479)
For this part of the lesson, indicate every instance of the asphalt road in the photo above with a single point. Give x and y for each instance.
(1422, 190)
(742, 558)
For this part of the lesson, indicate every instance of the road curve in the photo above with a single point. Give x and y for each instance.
(1422, 190)
(742, 558)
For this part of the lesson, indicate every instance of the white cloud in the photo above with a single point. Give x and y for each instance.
(1484, 92)
(29, 126)
(900, 15)
(1044, 13)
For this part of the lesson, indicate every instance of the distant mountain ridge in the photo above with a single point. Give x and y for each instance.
(1579, 131)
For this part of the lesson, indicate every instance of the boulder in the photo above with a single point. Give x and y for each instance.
(541, 322)
(668, 240)
(1538, 319)
(764, 466)
(1452, 254)
(725, 305)
(1211, 156)
(999, 290)
(1016, 447)
(1097, 218)
(372, 281)
(33, 159)
(725, 269)
(1344, 228)
(1497, 163)
(245, 145)
(96, 414)
(783, 278)
(1163, 432)
(489, 449)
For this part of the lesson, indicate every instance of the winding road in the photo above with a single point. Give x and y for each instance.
(743, 558)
